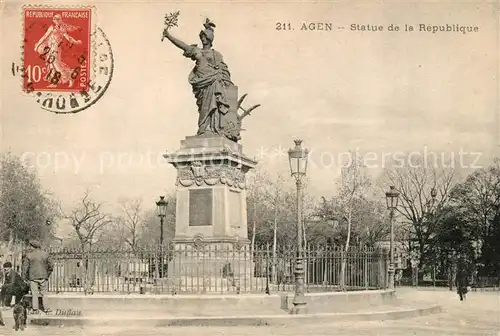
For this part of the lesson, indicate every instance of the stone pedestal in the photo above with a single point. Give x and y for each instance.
(211, 208)
(211, 265)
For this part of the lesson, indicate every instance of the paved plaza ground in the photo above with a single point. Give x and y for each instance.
(478, 315)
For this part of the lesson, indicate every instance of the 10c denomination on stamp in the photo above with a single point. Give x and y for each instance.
(57, 49)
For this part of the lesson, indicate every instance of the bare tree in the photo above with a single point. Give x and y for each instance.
(268, 199)
(88, 221)
(275, 195)
(353, 185)
(415, 183)
(369, 223)
(255, 204)
(272, 217)
(113, 236)
(131, 220)
(149, 230)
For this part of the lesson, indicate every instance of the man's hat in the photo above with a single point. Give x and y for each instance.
(35, 243)
(7, 264)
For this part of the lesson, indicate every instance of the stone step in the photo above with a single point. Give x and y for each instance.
(159, 319)
(210, 305)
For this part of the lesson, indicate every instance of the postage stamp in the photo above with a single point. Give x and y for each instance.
(57, 49)
(67, 62)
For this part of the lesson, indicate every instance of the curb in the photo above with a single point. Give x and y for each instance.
(236, 320)
(214, 296)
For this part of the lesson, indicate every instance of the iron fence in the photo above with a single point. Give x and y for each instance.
(215, 268)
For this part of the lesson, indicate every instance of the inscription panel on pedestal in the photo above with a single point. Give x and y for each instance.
(200, 207)
(235, 208)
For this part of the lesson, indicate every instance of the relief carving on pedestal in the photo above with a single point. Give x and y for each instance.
(198, 242)
(199, 172)
(237, 245)
(208, 175)
(185, 177)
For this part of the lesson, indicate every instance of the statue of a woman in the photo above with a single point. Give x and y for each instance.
(212, 86)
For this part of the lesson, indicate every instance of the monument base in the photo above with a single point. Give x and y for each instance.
(210, 265)
(211, 249)
(210, 195)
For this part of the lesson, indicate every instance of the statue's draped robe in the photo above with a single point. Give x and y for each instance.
(209, 77)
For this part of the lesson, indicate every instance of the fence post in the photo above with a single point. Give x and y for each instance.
(384, 263)
(267, 270)
(365, 267)
(306, 267)
(387, 267)
(342, 268)
(324, 265)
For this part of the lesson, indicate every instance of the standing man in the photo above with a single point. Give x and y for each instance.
(37, 268)
(462, 279)
(12, 286)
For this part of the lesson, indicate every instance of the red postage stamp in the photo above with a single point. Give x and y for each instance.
(57, 49)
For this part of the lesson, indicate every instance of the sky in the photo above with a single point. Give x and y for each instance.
(373, 92)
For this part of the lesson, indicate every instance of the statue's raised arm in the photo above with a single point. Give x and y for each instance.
(175, 41)
(216, 95)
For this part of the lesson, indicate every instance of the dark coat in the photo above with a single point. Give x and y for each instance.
(15, 281)
(462, 281)
(12, 278)
(37, 265)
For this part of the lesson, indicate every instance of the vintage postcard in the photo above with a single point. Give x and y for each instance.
(250, 167)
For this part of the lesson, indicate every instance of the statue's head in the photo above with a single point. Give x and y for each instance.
(207, 34)
(207, 37)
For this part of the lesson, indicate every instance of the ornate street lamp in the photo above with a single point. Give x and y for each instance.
(391, 197)
(298, 166)
(161, 206)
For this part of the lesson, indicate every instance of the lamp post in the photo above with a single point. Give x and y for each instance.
(161, 206)
(431, 214)
(298, 167)
(392, 197)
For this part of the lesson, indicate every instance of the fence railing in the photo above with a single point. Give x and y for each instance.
(215, 268)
